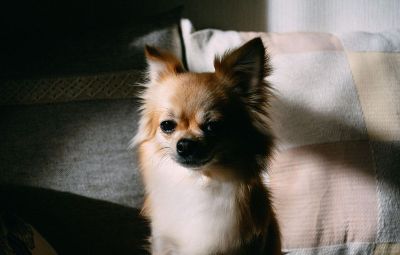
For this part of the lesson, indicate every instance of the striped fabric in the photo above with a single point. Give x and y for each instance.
(336, 174)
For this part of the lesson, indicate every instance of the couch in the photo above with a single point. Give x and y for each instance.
(68, 100)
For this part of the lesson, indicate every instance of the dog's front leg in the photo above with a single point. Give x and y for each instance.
(161, 245)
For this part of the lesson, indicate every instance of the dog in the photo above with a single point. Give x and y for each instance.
(203, 144)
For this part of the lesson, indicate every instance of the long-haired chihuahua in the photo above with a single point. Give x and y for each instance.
(203, 143)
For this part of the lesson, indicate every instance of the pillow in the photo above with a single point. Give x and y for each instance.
(74, 224)
(18, 237)
(335, 176)
(69, 111)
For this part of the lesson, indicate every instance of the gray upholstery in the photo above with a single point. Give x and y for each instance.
(79, 147)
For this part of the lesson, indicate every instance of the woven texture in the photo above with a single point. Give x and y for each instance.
(335, 176)
(77, 88)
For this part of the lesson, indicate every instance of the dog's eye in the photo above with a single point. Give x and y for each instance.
(211, 127)
(168, 126)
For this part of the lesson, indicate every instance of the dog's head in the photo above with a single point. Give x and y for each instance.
(203, 119)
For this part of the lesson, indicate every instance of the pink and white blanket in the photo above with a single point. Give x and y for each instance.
(336, 175)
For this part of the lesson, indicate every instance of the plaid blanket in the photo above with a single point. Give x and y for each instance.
(336, 175)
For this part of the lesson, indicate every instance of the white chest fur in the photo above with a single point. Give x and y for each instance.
(195, 214)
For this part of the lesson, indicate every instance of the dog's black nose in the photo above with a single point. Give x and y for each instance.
(186, 147)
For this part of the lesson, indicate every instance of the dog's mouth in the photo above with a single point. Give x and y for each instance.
(194, 163)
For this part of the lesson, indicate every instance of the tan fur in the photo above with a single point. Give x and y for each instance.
(172, 64)
(237, 96)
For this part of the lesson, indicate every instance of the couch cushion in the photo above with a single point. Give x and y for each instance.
(79, 147)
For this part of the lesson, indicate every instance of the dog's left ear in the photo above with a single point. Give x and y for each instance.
(161, 63)
(246, 66)
(244, 70)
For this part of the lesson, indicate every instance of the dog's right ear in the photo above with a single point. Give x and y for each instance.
(161, 63)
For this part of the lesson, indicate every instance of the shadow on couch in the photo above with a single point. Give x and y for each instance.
(73, 224)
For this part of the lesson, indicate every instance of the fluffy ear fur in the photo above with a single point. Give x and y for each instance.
(161, 63)
(245, 67)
